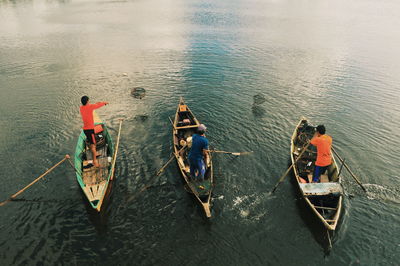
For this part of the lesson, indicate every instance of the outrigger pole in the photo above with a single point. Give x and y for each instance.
(34, 181)
(116, 150)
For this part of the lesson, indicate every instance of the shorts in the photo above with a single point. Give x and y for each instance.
(197, 168)
(318, 171)
(90, 136)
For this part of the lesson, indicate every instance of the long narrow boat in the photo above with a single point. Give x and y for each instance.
(324, 198)
(94, 181)
(184, 126)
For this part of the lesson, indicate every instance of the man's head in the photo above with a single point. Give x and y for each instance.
(321, 129)
(201, 129)
(84, 100)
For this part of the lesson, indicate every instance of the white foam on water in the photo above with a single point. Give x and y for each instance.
(382, 193)
(219, 197)
(239, 200)
(248, 206)
(244, 213)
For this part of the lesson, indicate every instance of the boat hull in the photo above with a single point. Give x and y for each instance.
(93, 181)
(184, 126)
(325, 199)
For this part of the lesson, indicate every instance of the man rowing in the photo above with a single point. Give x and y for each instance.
(88, 124)
(198, 153)
(323, 143)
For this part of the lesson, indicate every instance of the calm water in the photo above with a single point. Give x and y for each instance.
(336, 62)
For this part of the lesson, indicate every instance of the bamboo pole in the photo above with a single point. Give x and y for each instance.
(34, 181)
(341, 168)
(348, 169)
(73, 167)
(329, 240)
(165, 165)
(172, 123)
(233, 153)
(156, 175)
(288, 170)
(116, 150)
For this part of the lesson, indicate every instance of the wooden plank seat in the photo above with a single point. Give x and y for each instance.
(320, 189)
(190, 126)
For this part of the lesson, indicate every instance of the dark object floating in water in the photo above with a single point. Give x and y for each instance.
(259, 99)
(141, 118)
(138, 92)
(258, 110)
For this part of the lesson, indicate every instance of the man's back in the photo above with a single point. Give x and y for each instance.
(323, 144)
(87, 114)
(199, 143)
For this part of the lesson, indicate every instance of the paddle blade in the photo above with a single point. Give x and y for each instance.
(243, 153)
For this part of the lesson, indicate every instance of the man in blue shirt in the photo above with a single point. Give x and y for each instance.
(198, 153)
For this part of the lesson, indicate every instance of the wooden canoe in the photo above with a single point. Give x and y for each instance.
(94, 181)
(184, 126)
(324, 198)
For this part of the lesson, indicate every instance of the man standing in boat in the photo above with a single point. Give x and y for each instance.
(198, 153)
(88, 124)
(323, 143)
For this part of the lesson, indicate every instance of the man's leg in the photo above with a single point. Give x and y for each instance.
(93, 149)
(202, 170)
(193, 168)
(94, 153)
(317, 174)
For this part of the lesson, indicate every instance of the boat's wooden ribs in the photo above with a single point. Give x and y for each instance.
(325, 208)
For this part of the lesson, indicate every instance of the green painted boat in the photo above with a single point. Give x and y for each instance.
(184, 126)
(94, 181)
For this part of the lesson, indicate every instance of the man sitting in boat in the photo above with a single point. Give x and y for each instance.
(198, 153)
(323, 143)
(88, 124)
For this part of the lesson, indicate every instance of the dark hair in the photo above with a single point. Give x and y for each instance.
(200, 132)
(84, 100)
(321, 129)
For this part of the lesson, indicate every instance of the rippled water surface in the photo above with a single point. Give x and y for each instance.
(336, 62)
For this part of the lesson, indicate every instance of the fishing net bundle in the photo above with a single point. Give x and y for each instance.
(304, 134)
(138, 92)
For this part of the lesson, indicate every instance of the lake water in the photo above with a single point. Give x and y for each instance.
(335, 62)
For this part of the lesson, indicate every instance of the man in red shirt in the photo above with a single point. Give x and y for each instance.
(324, 157)
(88, 124)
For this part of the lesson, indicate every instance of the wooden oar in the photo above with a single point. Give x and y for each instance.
(166, 164)
(34, 181)
(233, 153)
(348, 169)
(157, 174)
(172, 123)
(73, 167)
(341, 168)
(170, 159)
(116, 150)
(288, 170)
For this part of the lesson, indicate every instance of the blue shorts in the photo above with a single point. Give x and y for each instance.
(197, 168)
(318, 171)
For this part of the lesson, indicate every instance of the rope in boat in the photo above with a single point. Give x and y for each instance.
(34, 181)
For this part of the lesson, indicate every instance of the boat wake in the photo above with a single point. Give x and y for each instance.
(250, 207)
(382, 193)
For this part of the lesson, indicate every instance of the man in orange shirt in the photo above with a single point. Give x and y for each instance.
(88, 124)
(324, 157)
